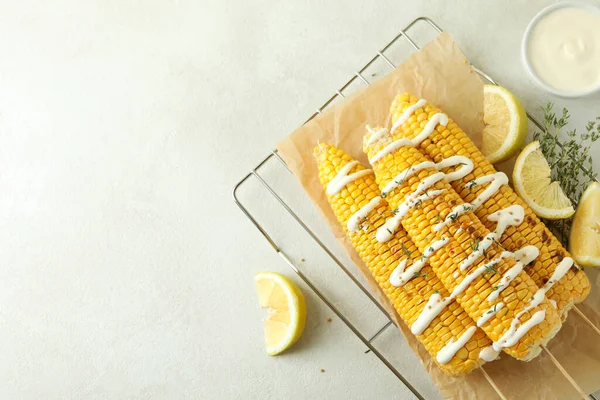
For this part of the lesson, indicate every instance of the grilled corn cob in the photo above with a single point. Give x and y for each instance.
(450, 140)
(471, 265)
(382, 259)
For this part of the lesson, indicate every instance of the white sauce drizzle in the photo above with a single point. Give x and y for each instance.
(449, 350)
(407, 114)
(389, 148)
(376, 136)
(495, 180)
(342, 178)
(395, 277)
(553, 302)
(432, 309)
(561, 270)
(506, 279)
(514, 334)
(489, 354)
(538, 297)
(435, 246)
(509, 216)
(436, 119)
(385, 232)
(489, 314)
(453, 215)
(523, 257)
(482, 246)
(361, 214)
(466, 166)
(525, 252)
(400, 276)
(436, 303)
(407, 173)
(538, 317)
(462, 286)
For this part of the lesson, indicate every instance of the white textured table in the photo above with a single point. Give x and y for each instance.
(125, 268)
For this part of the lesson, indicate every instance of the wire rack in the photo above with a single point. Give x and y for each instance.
(273, 157)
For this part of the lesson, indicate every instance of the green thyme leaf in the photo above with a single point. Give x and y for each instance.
(405, 250)
(569, 156)
(490, 269)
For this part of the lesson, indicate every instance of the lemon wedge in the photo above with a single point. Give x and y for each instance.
(533, 182)
(506, 124)
(584, 243)
(287, 310)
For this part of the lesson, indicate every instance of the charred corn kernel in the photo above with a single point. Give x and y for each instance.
(391, 159)
(382, 259)
(449, 141)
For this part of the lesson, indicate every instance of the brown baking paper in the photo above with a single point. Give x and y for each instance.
(441, 74)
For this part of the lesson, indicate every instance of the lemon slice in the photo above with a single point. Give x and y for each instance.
(506, 124)
(287, 310)
(584, 243)
(533, 182)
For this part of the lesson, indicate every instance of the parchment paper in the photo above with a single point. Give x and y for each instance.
(441, 74)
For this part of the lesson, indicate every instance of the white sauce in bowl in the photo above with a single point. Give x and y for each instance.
(563, 49)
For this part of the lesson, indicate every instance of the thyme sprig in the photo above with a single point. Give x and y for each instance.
(492, 311)
(471, 184)
(490, 269)
(405, 250)
(569, 158)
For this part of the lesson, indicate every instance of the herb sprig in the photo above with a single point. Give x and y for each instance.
(569, 158)
(405, 250)
(492, 311)
(474, 245)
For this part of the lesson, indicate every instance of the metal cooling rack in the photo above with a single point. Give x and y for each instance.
(274, 157)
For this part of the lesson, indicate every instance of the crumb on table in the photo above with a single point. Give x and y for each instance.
(329, 319)
(322, 370)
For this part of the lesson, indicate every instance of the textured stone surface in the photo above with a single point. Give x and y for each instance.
(125, 268)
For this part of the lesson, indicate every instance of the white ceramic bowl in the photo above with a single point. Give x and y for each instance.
(525, 54)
